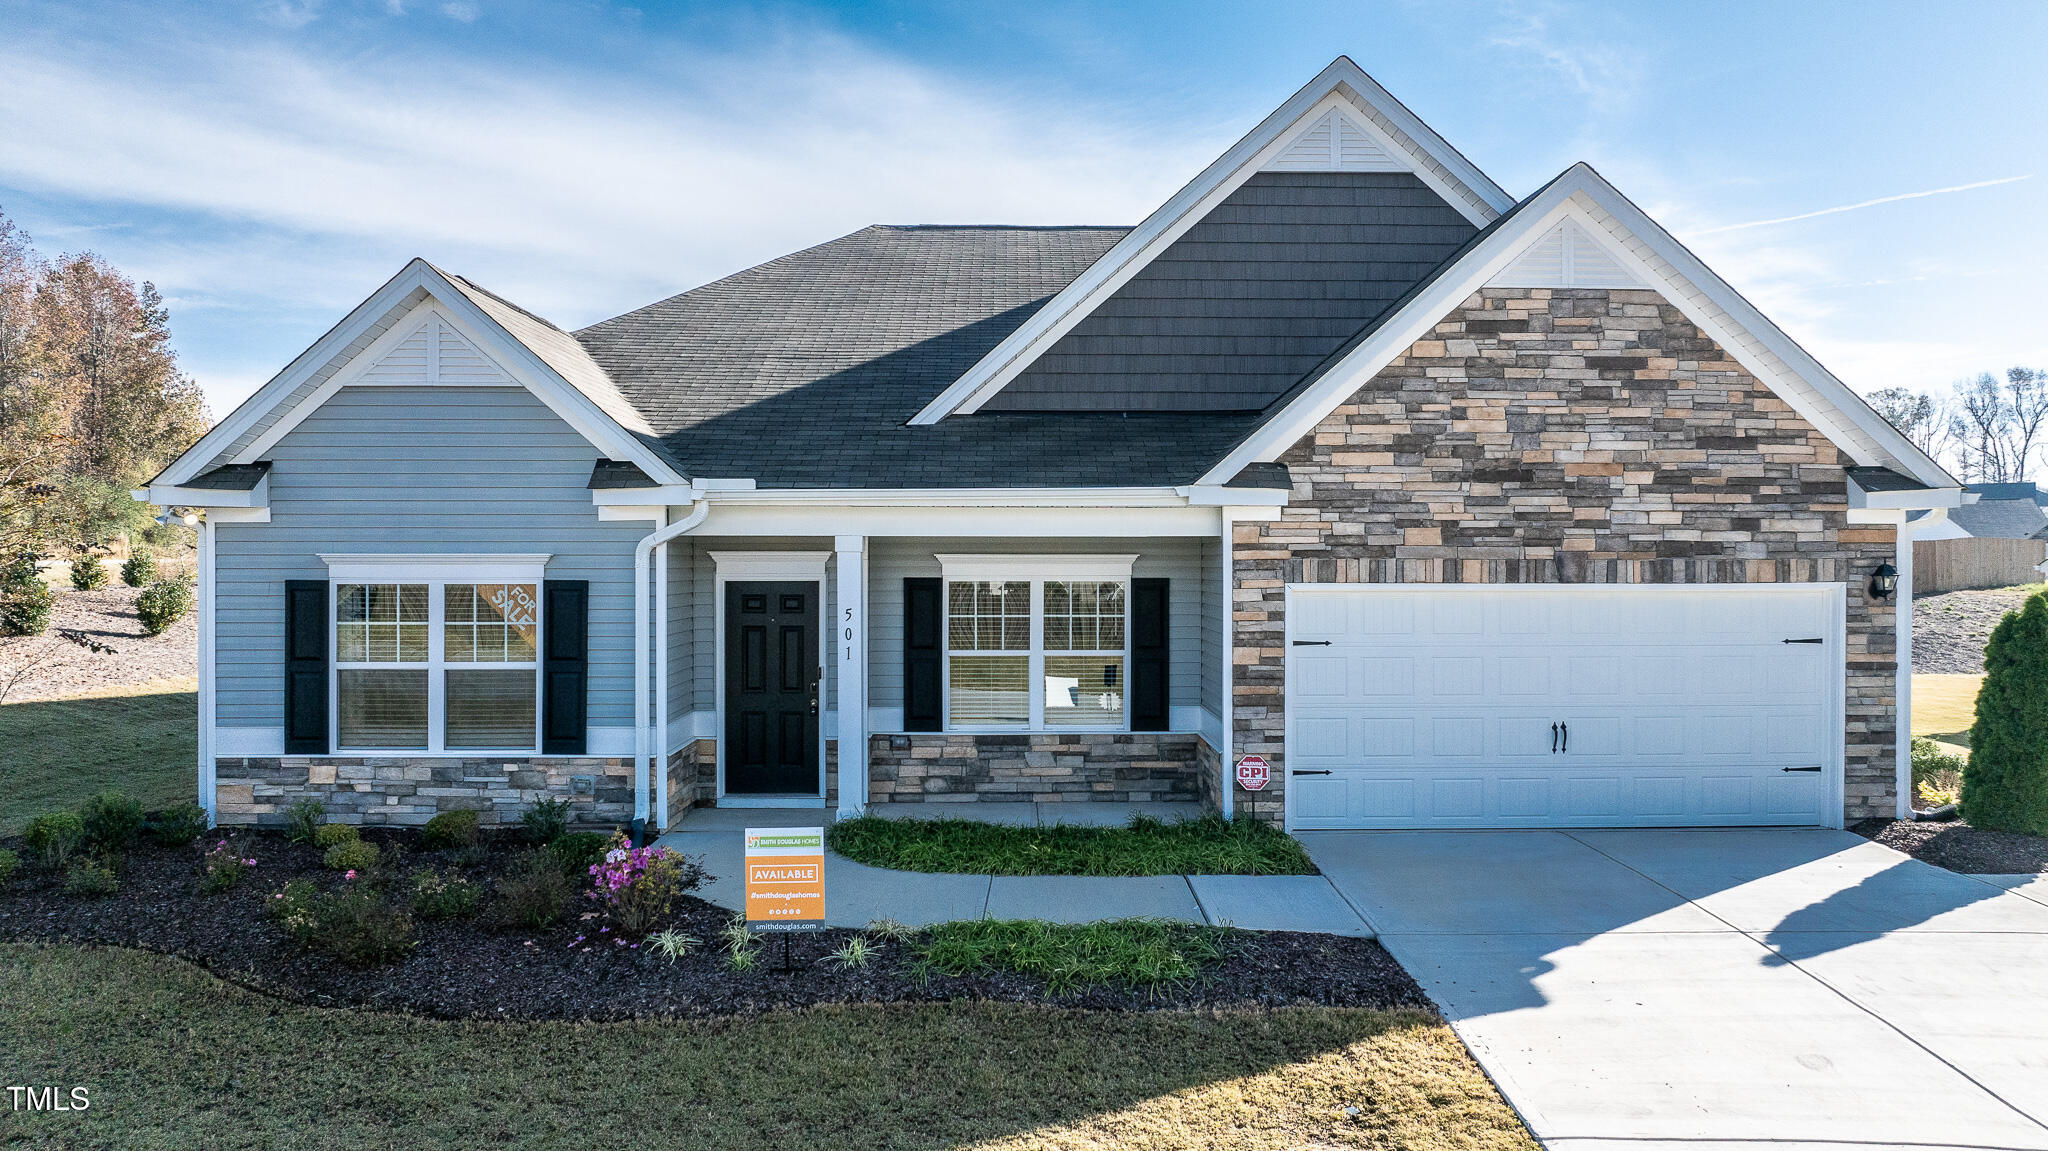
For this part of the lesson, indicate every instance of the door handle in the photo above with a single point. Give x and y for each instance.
(1553, 738)
(1565, 730)
(1311, 643)
(1815, 639)
(814, 704)
(1799, 769)
(1308, 773)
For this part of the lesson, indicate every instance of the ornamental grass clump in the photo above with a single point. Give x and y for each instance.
(53, 838)
(547, 820)
(303, 820)
(639, 886)
(222, 867)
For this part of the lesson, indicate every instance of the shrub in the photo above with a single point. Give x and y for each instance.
(9, 864)
(111, 820)
(533, 894)
(2005, 784)
(25, 600)
(222, 867)
(639, 886)
(357, 927)
(162, 604)
(91, 879)
(88, 572)
(1937, 774)
(140, 568)
(579, 851)
(335, 834)
(179, 825)
(435, 896)
(296, 909)
(451, 829)
(355, 855)
(19, 568)
(303, 818)
(52, 838)
(547, 820)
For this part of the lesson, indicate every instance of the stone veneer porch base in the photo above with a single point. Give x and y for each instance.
(1111, 767)
(408, 792)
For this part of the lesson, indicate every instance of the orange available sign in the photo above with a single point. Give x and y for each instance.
(786, 878)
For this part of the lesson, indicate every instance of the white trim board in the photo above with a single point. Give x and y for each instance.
(480, 567)
(1342, 86)
(1648, 252)
(747, 567)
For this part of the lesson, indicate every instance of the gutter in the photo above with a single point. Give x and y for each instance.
(645, 774)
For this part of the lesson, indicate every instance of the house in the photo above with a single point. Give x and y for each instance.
(2009, 511)
(1460, 510)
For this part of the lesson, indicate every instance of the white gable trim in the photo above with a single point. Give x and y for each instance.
(1340, 87)
(446, 303)
(1653, 256)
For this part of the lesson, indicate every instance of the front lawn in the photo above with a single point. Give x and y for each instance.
(173, 1057)
(1944, 707)
(1207, 846)
(59, 751)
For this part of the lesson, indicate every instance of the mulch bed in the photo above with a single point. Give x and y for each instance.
(1960, 847)
(475, 969)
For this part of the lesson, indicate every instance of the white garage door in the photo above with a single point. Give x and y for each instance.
(1563, 706)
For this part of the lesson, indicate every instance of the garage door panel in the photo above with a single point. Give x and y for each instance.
(1684, 705)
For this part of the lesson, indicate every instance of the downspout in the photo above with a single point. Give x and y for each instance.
(207, 550)
(1229, 804)
(644, 745)
(1902, 690)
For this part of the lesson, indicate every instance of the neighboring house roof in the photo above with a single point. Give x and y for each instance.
(2005, 519)
(2012, 491)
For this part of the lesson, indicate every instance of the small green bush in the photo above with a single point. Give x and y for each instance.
(223, 867)
(335, 834)
(53, 837)
(451, 829)
(296, 909)
(179, 825)
(25, 605)
(111, 820)
(579, 851)
(2005, 784)
(91, 879)
(534, 893)
(88, 572)
(302, 820)
(357, 927)
(9, 864)
(547, 820)
(1937, 774)
(140, 568)
(355, 855)
(435, 896)
(162, 604)
(19, 567)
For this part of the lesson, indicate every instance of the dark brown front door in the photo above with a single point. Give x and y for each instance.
(771, 688)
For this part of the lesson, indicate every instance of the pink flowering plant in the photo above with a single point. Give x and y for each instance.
(639, 886)
(223, 866)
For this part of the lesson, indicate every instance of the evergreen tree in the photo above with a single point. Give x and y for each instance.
(2005, 786)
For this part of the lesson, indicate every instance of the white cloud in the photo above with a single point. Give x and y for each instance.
(463, 10)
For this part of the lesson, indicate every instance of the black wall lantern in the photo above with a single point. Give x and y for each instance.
(1883, 582)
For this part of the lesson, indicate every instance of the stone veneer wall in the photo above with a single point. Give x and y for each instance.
(692, 777)
(1209, 775)
(956, 767)
(1563, 436)
(409, 792)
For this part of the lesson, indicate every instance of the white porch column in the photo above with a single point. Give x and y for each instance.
(849, 632)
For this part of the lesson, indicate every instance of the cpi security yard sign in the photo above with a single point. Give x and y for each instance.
(786, 878)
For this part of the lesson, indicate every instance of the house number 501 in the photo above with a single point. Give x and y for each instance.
(849, 634)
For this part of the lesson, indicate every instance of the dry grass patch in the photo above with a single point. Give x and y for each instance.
(175, 1057)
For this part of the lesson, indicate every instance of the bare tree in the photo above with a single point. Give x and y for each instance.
(1922, 417)
(2026, 397)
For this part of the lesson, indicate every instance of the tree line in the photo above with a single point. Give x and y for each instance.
(1984, 429)
(92, 400)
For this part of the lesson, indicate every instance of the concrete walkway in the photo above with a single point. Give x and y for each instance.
(856, 894)
(1780, 989)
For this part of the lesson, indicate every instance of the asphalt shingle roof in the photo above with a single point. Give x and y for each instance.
(2000, 519)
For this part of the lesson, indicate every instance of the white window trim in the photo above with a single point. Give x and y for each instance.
(1035, 570)
(436, 571)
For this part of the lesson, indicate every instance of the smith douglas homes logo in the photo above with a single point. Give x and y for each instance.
(786, 878)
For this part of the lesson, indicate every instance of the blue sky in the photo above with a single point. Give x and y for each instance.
(268, 163)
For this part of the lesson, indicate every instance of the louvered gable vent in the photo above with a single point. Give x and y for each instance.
(1566, 256)
(1335, 143)
(435, 354)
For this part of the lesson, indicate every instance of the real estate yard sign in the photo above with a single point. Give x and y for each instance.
(786, 878)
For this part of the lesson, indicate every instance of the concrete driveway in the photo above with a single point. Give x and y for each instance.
(1721, 988)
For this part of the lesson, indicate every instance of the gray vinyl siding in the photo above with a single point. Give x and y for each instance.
(682, 629)
(421, 470)
(1249, 300)
(1212, 628)
(892, 560)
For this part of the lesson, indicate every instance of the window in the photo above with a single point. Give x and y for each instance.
(436, 665)
(1028, 654)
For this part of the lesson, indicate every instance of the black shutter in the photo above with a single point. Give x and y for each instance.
(305, 667)
(1150, 708)
(924, 656)
(564, 666)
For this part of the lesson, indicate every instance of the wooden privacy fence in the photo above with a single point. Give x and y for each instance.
(1952, 565)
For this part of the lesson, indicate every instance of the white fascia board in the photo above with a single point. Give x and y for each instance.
(1343, 83)
(1906, 500)
(826, 521)
(168, 495)
(1212, 496)
(665, 494)
(1686, 283)
(1159, 497)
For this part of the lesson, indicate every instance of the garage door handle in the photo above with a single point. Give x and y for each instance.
(1311, 643)
(1553, 739)
(1309, 773)
(1799, 769)
(1815, 639)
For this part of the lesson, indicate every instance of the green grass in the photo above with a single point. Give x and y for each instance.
(1210, 845)
(175, 1058)
(1129, 952)
(60, 751)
